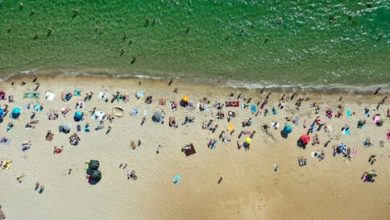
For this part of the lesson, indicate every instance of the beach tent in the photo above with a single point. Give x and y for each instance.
(157, 116)
(15, 112)
(78, 116)
(95, 177)
(304, 139)
(49, 95)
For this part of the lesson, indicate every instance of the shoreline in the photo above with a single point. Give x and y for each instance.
(230, 84)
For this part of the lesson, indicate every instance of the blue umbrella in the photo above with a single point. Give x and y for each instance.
(1, 112)
(287, 129)
(15, 112)
(78, 116)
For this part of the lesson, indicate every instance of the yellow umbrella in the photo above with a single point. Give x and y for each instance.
(248, 140)
(230, 127)
(186, 98)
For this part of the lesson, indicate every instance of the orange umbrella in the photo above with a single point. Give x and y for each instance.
(186, 98)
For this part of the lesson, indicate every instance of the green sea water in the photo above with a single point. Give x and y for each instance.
(279, 41)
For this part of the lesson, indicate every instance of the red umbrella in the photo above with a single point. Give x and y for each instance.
(305, 139)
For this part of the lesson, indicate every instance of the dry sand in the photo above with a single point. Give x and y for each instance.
(251, 189)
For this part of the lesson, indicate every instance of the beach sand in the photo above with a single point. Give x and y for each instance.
(250, 189)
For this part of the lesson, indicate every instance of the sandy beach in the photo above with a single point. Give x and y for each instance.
(229, 180)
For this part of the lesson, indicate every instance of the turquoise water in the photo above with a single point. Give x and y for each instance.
(309, 42)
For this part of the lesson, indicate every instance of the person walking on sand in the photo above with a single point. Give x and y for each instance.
(108, 130)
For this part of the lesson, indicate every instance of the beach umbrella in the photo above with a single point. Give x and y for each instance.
(305, 139)
(157, 116)
(186, 98)
(1, 112)
(78, 116)
(287, 129)
(15, 112)
(248, 140)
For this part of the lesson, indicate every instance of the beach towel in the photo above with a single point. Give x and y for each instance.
(98, 115)
(6, 164)
(139, 94)
(347, 131)
(5, 141)
(176, 179)
(31, 95)
(235, 103)
(38, 107)
(134, 112)
(77, 92)
(348, 113)
(353, 152)
(102, 95)
(49, 95)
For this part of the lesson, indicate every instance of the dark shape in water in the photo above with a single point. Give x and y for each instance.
(35, 37)
(32, 12)
(146, 22)
(49, 30)
(75, 13)
(122, 51)
(133, 60)
(124, 37)
(188, 30)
